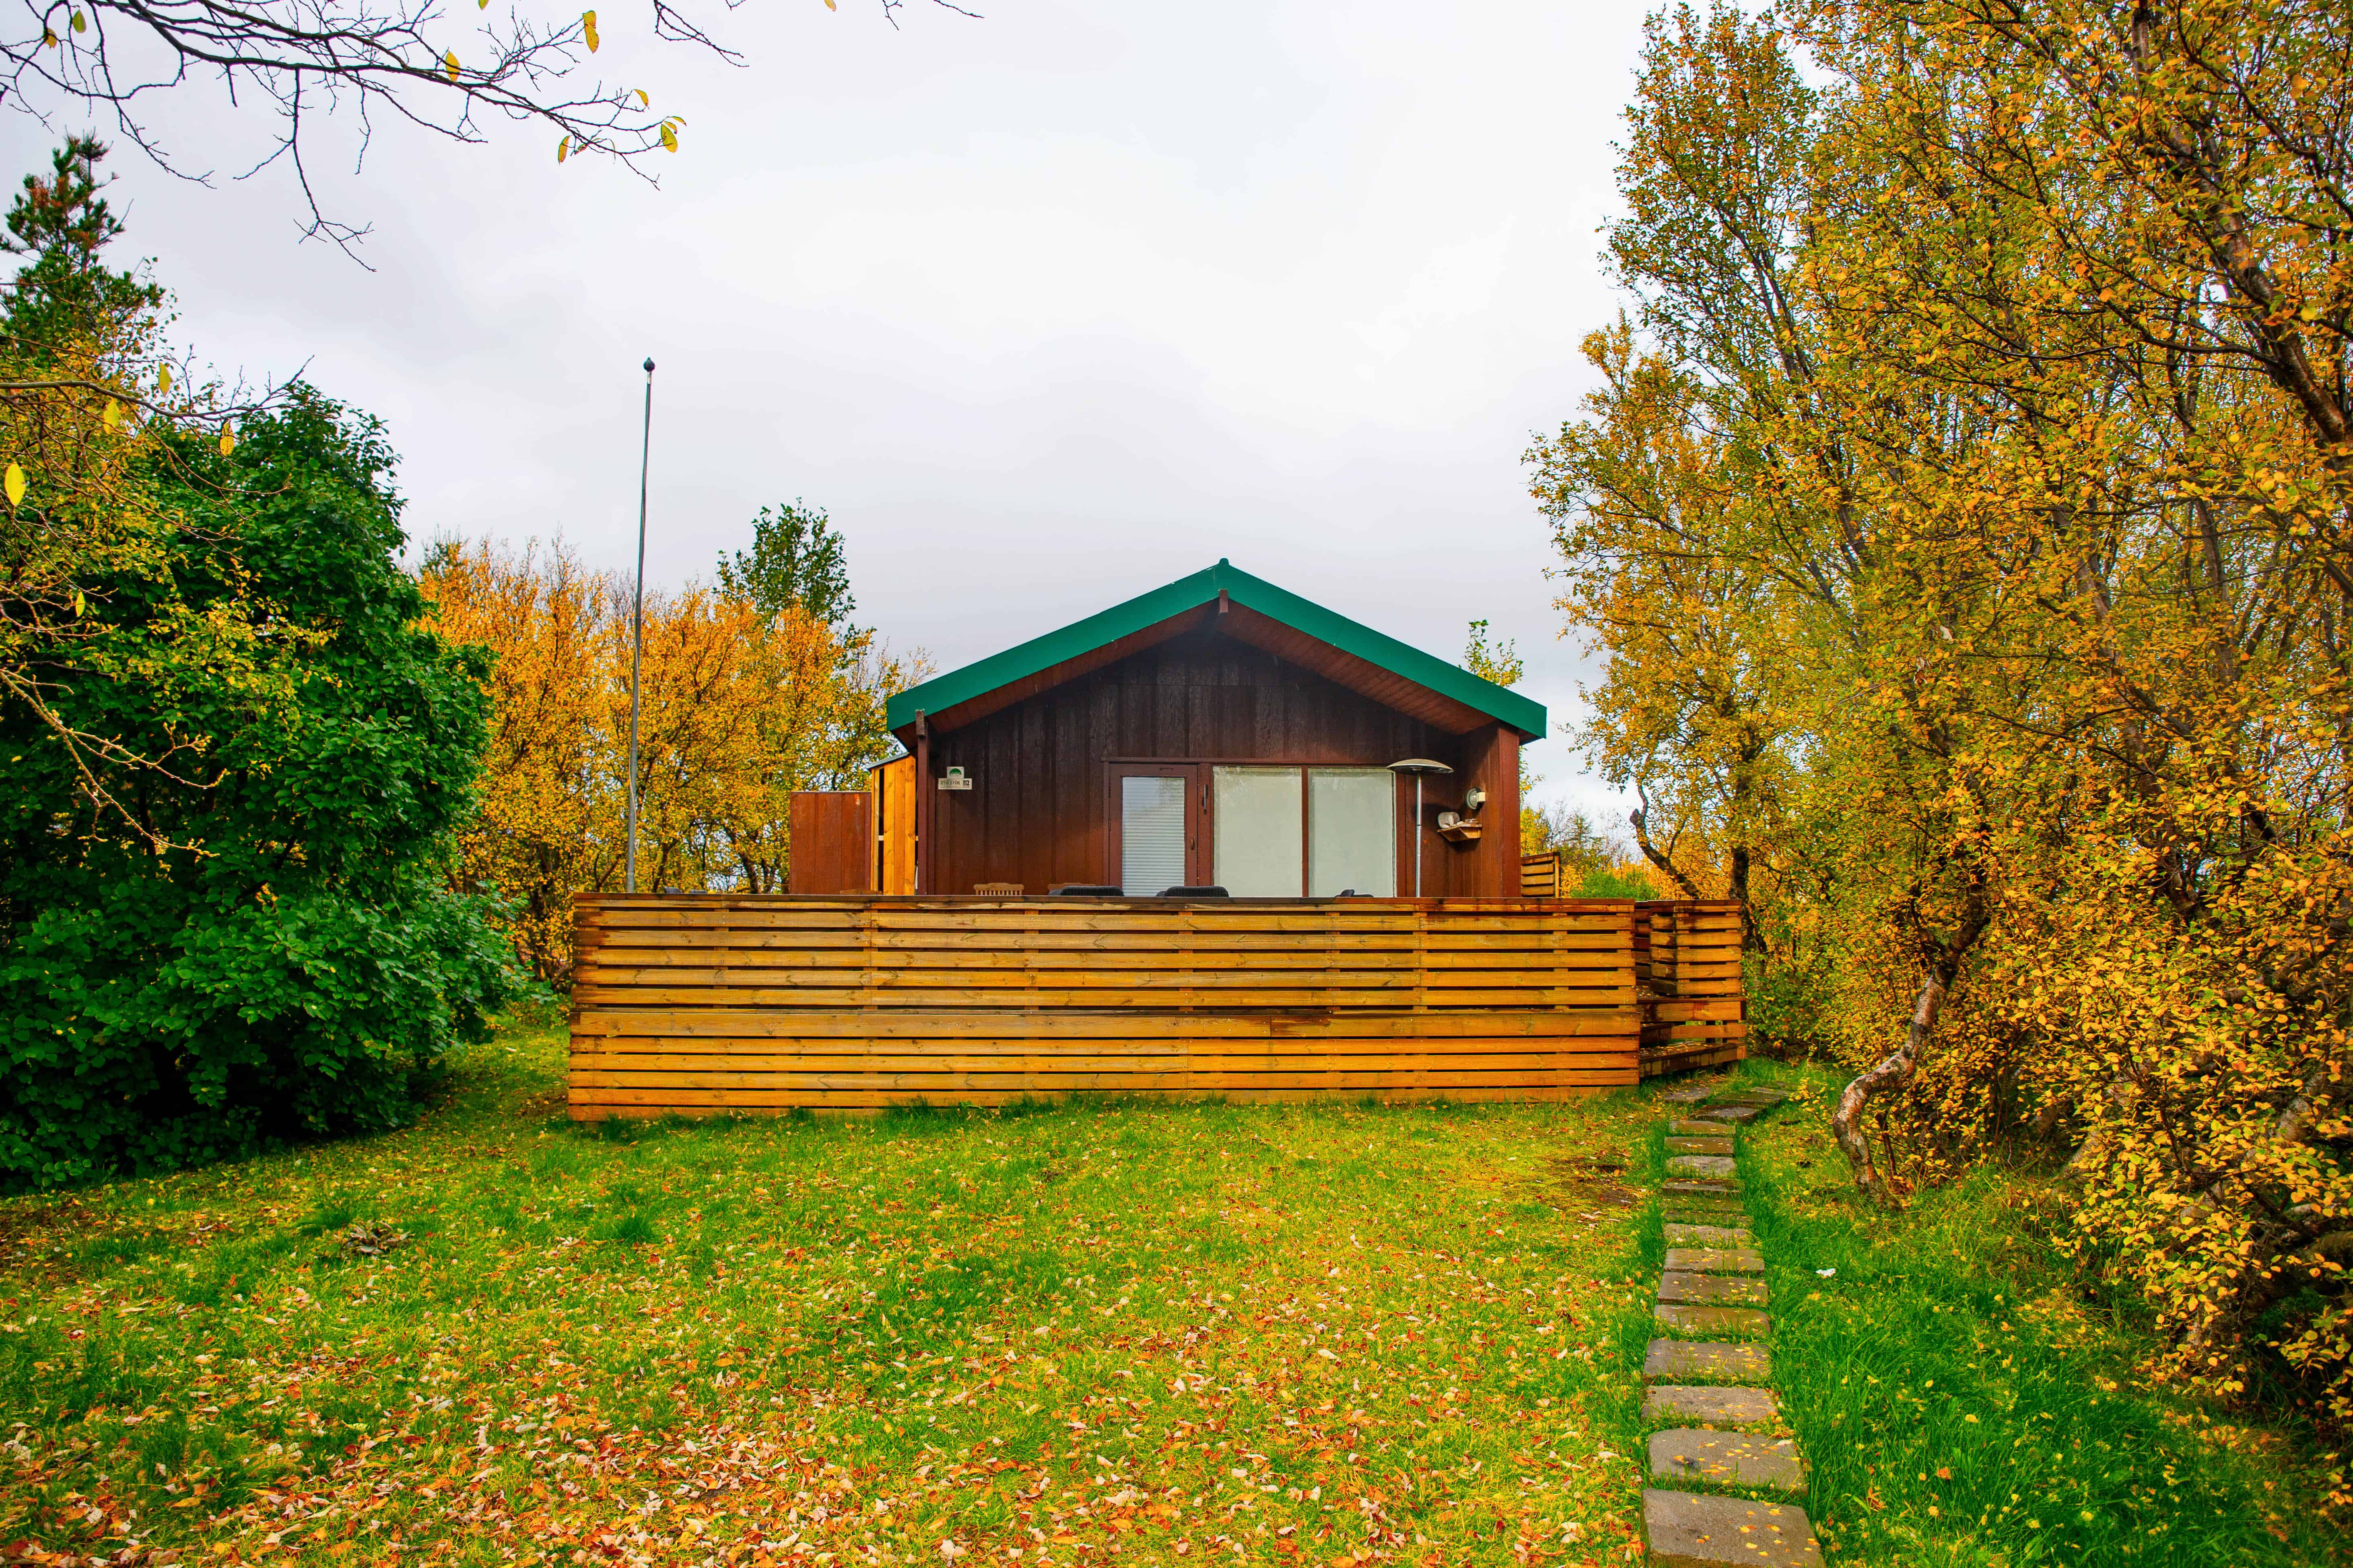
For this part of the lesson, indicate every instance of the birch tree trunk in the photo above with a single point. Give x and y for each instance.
(1893, 1072)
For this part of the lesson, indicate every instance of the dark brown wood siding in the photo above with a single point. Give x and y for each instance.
(832, 842)
(1034, 815)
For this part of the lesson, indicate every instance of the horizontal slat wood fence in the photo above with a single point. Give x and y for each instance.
(1687, 962)
(699, 1004)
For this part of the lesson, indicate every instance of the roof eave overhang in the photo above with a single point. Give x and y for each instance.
(1248, 609)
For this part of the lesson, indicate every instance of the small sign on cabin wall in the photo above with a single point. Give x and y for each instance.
(956, 778)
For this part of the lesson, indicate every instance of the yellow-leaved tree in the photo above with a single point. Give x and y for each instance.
(1964, 510)
(740, 704)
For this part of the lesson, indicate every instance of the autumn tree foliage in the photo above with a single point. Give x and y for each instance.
(747, 696)
(1963, 505)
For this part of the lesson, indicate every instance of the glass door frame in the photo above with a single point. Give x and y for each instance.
(1197, 815)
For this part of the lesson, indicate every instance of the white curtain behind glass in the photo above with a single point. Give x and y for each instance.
(1151, 835)
(1258, 832)
(1351, 832)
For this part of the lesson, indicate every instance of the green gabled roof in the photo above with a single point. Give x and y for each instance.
(944, 692)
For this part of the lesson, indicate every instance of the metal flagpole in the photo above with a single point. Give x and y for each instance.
(638, 625)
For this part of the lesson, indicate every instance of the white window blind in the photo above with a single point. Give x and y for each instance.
(1352, 830)
(1258, 832)
(1151, 835)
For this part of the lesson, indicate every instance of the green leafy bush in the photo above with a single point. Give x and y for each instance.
(260, 945)
(1623, 882)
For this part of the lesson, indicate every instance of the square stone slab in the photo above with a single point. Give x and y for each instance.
(1727, 1460)
(1709, 1236)
(1730, 1322)
(1715, 1167)
(1704, 1361)
(1711, 1407)
(1684, 1127)
(1730, 1112)
(1705, 1210)
(1715, 1261)
(1699, 1145)
(1689, 1187)
(1711, 1289)
(1715, 1219)
(1690, 1529)
(1689, 1094)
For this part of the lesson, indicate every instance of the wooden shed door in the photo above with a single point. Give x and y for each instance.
(832, 848)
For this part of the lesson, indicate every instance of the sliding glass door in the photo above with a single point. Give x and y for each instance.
(1352, 832)
(1285, 832)
(1260, 832)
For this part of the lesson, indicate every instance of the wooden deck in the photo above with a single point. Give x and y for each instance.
(699, 1004)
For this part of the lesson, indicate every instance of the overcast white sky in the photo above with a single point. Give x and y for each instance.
(1046, 309)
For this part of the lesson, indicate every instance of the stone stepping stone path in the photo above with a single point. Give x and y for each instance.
(1729, 1408)
(1747, 1321)
(1673, 1187)
(1722, 1205)
(1711, 1290)
(1730, 1459)
(1704, 1361)
(1714, 1260)
(1692, 1530)
(1717, 1144)
(1725, 1474)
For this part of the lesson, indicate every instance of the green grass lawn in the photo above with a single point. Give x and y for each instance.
(1164, 1332)
(1153, 1332)
(1963, 1401)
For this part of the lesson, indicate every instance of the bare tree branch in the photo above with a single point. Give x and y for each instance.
(302, 60)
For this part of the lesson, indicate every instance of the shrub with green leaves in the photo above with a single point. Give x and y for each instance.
(292, 965)
(230, 754)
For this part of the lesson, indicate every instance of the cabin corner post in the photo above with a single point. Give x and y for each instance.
(923, 802)
(1489, 865)
(1504, 810)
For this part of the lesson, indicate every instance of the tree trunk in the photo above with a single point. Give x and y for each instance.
(1640, 818)
(1750, 941)
(1891, 1074)
(2047, 1116)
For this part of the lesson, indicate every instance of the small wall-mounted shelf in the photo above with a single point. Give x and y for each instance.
(1458, 829)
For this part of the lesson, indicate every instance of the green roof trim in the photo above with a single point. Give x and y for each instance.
(944, 692)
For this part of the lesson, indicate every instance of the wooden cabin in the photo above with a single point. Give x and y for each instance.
(1218, 731)
(1217, 734)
